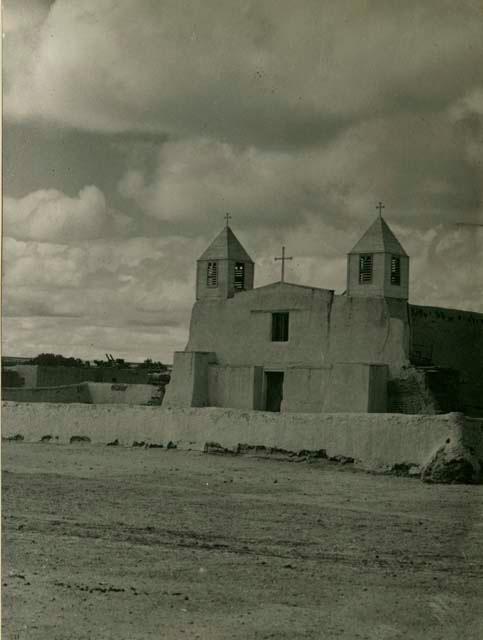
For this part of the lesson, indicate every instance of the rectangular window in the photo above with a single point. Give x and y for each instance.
(239, 276)
(212, 274)
(279, 327)
(365, 269)
(396, 270)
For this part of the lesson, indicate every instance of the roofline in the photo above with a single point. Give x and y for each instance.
(451, 309)
(222, 259)
(358, 253)
(292, 284)
(384, 221)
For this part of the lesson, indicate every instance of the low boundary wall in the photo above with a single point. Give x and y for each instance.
(84, 392)
(374, 439)
(69, 393)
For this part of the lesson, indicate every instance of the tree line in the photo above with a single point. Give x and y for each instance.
(57, 360)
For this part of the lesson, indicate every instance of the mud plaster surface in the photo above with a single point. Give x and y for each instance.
(110, 542)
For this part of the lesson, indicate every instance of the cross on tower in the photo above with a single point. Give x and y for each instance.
(227, 218)
(380, 206)
(283, 258)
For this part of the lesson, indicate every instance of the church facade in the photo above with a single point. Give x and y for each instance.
(293, 348)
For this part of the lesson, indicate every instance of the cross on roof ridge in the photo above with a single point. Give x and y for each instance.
(283, 258)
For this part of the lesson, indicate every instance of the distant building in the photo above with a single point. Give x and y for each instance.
(96, 385)
(36, 375)
(292, 348)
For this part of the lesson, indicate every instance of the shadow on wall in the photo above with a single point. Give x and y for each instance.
(444, 340)
(428, 390)
(12, 378)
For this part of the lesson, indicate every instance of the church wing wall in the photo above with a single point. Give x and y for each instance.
(452, 339)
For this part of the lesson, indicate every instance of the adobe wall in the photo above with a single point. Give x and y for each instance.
(236, 387)
(57, 376)
(453, 339)
(85, 392)
(239, 329)
(371, 330)
(119, 393)
(304, 389)
(358, 388)
(349, 387)
(323, 329)
(327, 330)
(189, 383)
(64, 394)
(339, 388)
(373, 439)
(28, 373)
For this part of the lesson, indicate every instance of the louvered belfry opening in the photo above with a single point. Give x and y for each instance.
(212, 274)
(396, 270)
(239, 280)
(365, 268)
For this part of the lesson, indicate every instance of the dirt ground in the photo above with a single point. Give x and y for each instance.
(110, 542)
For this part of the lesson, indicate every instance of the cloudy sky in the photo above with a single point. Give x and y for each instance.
(130, 128)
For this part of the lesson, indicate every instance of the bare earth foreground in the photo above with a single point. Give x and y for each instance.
(110, 542)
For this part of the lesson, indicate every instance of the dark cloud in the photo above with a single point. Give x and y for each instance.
(259, 73)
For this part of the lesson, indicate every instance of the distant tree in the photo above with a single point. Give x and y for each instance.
(152, 366)
(102, 363)
(56, 360)
(114, 363)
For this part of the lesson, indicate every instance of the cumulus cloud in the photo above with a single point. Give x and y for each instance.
(50, 215)
(467, 115)
(470, 104)
(196, 181)
(139, 285)
(27, 336)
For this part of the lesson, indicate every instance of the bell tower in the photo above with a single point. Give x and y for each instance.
(224, 269)
(378, 266)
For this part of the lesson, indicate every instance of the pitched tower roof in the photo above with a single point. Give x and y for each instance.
(226, 246)
(379, 239)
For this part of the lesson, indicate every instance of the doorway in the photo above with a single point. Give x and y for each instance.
(274, 390)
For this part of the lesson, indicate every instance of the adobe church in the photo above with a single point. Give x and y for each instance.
(292, 348)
